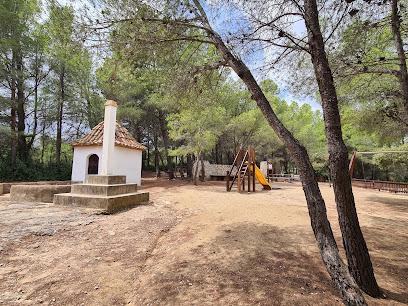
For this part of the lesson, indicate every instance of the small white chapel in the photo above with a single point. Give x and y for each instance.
(123, 158)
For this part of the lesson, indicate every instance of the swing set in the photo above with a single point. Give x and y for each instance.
(374, 184)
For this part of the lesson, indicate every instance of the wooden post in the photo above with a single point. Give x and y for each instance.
(239, 181)
(249, 168)
(249, 176)
(253, 172)
(228, 180)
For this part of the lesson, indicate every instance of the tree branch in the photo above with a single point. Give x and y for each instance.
(152, 42)
(337, 25)
(376, 71)
(212, 67)
(298, 48)
(270, 23)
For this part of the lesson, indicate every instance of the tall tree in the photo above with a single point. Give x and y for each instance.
(357, 254)
(68, 58)
(274, 31)
(327, 245)
(16, 42)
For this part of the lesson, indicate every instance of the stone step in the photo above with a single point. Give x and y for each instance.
(103, 190)
(106, 179)
(108, 204)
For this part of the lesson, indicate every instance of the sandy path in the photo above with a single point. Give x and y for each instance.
(259, 248)
(193, 245)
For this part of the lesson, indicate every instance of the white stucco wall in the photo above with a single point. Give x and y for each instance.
(80, 161)
(128, 162)
(125, 162)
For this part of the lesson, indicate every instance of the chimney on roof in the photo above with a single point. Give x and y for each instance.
(108, 137)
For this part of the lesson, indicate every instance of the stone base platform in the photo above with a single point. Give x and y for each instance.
(110, 193)
(36, 193)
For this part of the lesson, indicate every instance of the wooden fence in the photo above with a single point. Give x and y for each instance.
(381, 185)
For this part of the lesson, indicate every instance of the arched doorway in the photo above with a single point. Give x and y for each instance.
(93, 164)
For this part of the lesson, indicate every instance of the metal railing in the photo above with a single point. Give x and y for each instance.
(381, 185)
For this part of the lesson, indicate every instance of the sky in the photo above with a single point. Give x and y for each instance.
(289, 97)
(224, 20)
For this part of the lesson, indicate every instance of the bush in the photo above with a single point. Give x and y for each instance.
(33, 171)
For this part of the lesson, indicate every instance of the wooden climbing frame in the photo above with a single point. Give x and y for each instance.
(245, 164)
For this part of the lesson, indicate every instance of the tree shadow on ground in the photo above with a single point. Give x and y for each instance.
(397, 203)
(248, 264)
(398, 297)
(387, 242)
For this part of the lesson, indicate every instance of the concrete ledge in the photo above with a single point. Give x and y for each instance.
(106, 179)
(7, 186)
(104, 190)
(37, 193)
(108, 204)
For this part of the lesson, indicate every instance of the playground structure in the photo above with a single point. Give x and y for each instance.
(374, 184)
(245, 163)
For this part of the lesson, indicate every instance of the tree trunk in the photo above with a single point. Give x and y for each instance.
(217, 161)
(156, 153)
(338, 271)
(13, 123)
(36, 85)
(189, 166)
(148, 155)
(162, 161)
(399, 45)
(181, 166)
(42, 146)
(59, 120)
(196, 169)
(202, 176)
(229, 158)
(358, 258)
(90, 111)
(22, 150)
(165, 135)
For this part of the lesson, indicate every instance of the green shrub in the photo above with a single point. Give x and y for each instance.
(33, 171)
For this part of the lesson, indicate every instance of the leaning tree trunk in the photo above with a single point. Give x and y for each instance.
(358, 258)
(338, 271)
(399, 45)
(165, 135)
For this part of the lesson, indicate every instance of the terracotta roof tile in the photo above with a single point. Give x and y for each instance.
(95, 137)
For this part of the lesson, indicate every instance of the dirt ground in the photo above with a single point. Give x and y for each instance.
(193, 245)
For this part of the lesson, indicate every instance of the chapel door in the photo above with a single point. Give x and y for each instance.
(93, 164)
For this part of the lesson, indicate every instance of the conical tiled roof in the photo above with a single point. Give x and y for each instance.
(95, 137)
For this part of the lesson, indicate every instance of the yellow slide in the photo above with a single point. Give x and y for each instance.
(261, 179)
